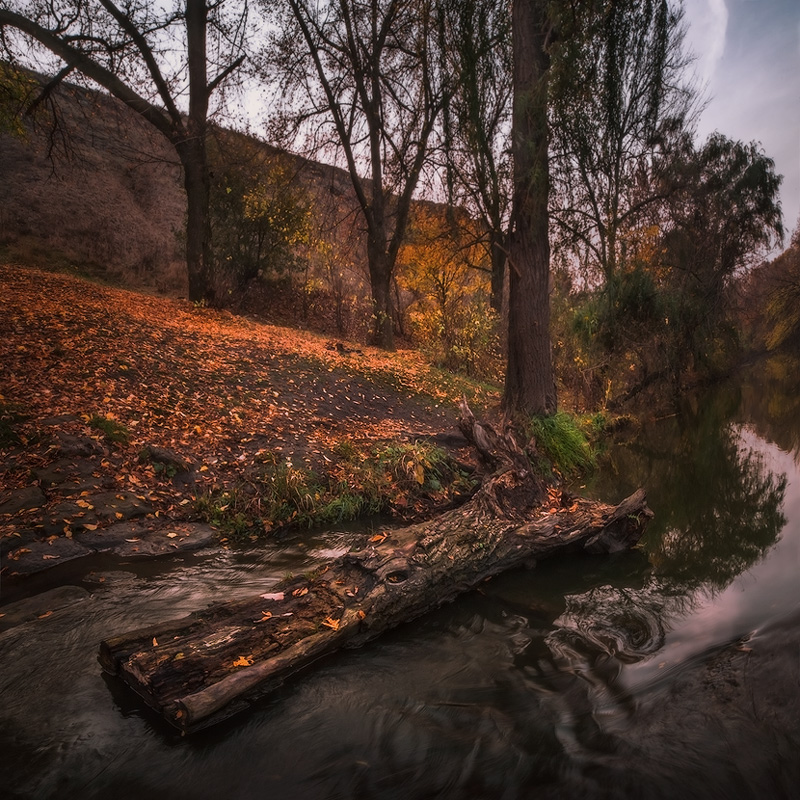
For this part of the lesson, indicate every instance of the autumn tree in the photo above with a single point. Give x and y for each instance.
(530, 381)
(164, 61)
(450, 316)
(361, 79)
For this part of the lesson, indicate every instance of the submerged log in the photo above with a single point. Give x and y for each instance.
(197, 671)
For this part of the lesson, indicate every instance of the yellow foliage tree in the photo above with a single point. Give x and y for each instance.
(446, 273)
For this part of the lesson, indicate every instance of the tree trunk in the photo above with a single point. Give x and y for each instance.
(192, 150)
(530, 383)
(198, 220)
(380, 277)
(199, 670)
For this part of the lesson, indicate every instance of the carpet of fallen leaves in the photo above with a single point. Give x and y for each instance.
(216, 389)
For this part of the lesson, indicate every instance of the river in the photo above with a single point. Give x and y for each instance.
(671, 671)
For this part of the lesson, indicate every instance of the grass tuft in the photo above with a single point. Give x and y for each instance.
(360, 483)
(567, 441)
(113, 431)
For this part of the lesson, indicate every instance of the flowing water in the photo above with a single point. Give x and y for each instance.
(668, 672)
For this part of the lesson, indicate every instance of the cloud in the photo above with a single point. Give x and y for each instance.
(708, 25)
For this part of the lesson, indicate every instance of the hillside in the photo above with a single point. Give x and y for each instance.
(120, 408)
(93, 187)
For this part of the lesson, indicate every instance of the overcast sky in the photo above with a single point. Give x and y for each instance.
(749, 55)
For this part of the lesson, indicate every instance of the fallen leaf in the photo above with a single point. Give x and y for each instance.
(171, 535)
(378, 537)
(89, 527)
(329, 622)
(48, 556)
(361, 614)
(155, 642)
(273, 596)
(243, 661)
(46, 614)
(265, 615)
(300, 592)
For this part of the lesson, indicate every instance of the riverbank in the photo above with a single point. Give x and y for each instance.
(145, 426)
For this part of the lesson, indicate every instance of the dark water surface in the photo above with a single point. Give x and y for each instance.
(668, 672)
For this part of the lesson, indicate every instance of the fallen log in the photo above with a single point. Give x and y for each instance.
(200, 670)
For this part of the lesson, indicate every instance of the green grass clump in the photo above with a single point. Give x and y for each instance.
(113, 431)
(567, 441)
(360, 483)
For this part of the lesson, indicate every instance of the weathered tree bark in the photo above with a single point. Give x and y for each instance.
(530, 384)
(200, 670)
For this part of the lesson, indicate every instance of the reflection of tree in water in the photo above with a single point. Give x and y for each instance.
(718, 506)
(771, 402)
(720, 514)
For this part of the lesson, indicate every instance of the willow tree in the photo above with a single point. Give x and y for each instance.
(362, 80)
(155, 58)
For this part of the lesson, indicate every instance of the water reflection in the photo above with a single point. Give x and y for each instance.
(718, 504)
(771, 402)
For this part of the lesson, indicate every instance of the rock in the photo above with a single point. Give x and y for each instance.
(138, 540)
(15, 539)
(42, 606)
(119, 505)
(169, 458)
(38, 556)
(22, 500)
(70, 471)
(107, 539)
(174, 538)
(78, 446)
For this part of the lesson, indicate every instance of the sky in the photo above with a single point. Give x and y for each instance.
(748, 57)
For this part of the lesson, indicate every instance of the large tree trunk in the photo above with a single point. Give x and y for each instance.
(198, 220)
(380, 277)
(200, 670)
(194, 157)
(530, 383)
